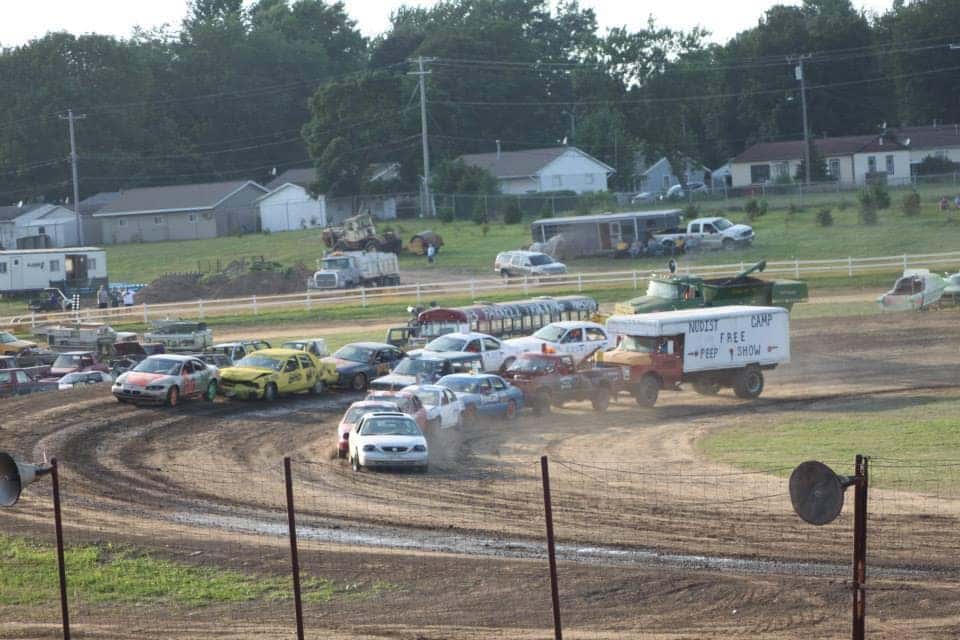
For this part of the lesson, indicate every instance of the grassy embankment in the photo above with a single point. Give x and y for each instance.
(108, 574)
(921, 429)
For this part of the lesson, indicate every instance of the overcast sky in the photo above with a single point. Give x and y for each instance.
(22, 21)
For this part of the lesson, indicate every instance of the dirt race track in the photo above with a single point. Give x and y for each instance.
(655, 541)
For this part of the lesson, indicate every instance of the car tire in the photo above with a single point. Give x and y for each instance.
(270, 392)
(423, 468)
(748, 384)
(358, 382)
(600, 399)
(728, 244)
(355, 463)
(505, 275)
(318, 388)
(211, 393)
(647, 392)
(511, 412)
(173, 396)
(341, 454)
(470, 416)
(542, 402)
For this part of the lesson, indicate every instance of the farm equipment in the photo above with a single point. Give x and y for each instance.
(358, 233)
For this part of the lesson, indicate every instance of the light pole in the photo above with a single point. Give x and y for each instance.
(573, 124)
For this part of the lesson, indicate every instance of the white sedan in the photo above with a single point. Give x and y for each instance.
(388, 439)
(496, 354)
(577, 338)
(443, 407)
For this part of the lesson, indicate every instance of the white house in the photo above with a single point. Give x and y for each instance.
(849, 160)
(937, 140)
(539, 170)
(290, 207)
(37, 225)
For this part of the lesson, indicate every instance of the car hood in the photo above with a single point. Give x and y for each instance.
(394, 381)
(526, 344)
(142, 379)
(244, 374)
(739, 229)
(19, 345)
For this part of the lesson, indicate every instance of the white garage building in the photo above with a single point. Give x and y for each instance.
(290, 207)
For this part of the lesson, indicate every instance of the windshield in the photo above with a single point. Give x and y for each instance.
(722, 223)
(550, 333)
(414, 366)
(540, 259)
(159, 365)
(66, 361)
(439, 328)
(532, 364)
(666, 290)
(355, 413)
(446, 343)
(332, 264)
(6, 337)
(390, 427)
(353, 354)
(463, 385)
(260, 362)
(428, 398)
(639, 344)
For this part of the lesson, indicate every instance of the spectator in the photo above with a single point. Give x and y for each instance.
(128, 298)
(944, 203)
(431, 253)
(103, 298)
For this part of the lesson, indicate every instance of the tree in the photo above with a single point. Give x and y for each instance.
(455, 177)
(818, 167)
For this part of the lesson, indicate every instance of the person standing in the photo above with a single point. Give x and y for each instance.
(431, 253)
(103, 298)
(128, 298)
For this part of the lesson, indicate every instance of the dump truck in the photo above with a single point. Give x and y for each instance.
(676, 291)
(358, 233)
(709, 348)
(347, 269)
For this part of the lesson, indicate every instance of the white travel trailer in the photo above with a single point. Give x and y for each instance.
(70, 269)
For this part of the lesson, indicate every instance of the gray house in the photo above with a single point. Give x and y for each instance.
(181, 212)
(659, 176)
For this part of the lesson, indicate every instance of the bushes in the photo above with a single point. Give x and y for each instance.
(755, 208)
(825, 217)
(445, 214)
(911, 204)
(872, 199)
(691, 211)
(512, 213)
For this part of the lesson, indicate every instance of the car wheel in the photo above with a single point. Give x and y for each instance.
(211, 392)
(505, 275)
(749, 383)
(358, 382)
(270, 392)
(511, 412)
(318, 388)
(173, 397)
(728, 244)
(470, 416)
(647, 391)
(355, 463)
(600, 399)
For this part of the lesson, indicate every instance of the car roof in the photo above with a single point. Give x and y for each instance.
(369, 345)
(278, 353)
(522, 252)
(571, 324)
(76, 353)
(390, 394)
(369, 403)
(385, 414)
(172, 356)
(413, 388)
(470, 376)
(468, 335)
(440, 356)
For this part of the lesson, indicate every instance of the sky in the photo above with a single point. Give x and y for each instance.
(23, 21)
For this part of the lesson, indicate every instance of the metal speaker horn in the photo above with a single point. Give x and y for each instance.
(817, 492)
(14, 476)
(672, 265)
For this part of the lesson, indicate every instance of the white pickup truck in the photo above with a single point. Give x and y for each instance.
(708, 233)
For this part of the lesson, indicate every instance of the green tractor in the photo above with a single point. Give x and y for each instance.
(675, 291)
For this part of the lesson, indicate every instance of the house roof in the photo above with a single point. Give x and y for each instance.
(302, 177)
(13, 212)
(840, 146)
(93, 204)
(521, 164)
(930, 137)
(180, 197)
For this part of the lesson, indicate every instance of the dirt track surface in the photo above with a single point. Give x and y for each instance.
(654, 540)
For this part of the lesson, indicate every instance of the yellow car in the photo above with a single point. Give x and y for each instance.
(10, 345)
(267, 373)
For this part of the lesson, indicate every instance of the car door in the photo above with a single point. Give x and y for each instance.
(188, 379)
(201, 375)
(383, 362)
(710, 235)
(24, 383)
(572, 342)
(492, 354)
(310, 372)
(489, 398)
(503, 396)
(292, 377)
(449, 409)
(597, 340)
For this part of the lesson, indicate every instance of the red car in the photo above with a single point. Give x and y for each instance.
(72, 361)
(407, 402)
(350, 419)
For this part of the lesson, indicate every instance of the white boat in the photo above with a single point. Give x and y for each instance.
(915, 290)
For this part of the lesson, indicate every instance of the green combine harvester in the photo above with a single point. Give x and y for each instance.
(675, 291)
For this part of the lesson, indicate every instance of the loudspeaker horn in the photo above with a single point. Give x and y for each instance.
(817, 492)
(14, 476)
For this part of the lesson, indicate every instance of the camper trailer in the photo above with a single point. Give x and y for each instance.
(72, 270)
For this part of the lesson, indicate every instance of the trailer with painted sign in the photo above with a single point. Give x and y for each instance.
(711, 349)
(72, 270)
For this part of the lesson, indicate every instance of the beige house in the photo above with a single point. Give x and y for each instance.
(539, 170)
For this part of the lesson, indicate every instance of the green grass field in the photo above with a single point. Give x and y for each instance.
(108, 574)
(921, 429)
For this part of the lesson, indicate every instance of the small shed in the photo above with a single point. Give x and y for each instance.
(596, 234)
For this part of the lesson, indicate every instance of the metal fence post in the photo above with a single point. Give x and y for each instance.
(796, 268)
(294, 556)
(363, 297)
(473, 283)
(309, 301)
(635, 283)
(200, 307)
(254, 305)
(904, 261)
(580, 282)
(850, 266)
(524, 283)
(418, 293)
(551, 551)
(61, 567)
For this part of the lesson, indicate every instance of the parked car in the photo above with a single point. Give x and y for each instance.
(495, 354)
(316, 346)
(267, 374)
(167, 379)
(180, 335)
(444, 409)
(427, 367)
(407, 402)
(82, 379)
(12, 345)
(237, 350)
(352, 417)
(677, 192)
(16, 382)
(579, 338)
(388, 440)
(358, 363)
(484, 395)
(511, 264)
(77, 361)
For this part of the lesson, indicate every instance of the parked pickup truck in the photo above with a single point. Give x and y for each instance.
(708, 348)
(346, 269)
(676, 291)
(16, 382)
(549, 380)
(707, 233)
(11, 362)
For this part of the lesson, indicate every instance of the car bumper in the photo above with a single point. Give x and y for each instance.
(405, 459)
(139, 394)
(239, 391)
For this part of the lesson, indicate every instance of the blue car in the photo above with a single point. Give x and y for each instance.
(484, 394)
(360, 362)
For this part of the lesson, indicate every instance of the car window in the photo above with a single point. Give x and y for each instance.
(708, 228)
(291, 365)
(22, 377)
(416, 404)
(574, 335)
(5, 377)
(498, 384)
(305, 362)
(473, 346)
(449, 396)
(595, 334)
(86, 361)
(485, 386)
(695, 228)
(490, 344)
(187, 368)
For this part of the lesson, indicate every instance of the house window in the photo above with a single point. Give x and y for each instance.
(54, 265)
(157, 219)
(834, 168)
(3, 267)
(890, 167)
(91, 264)
(666, 182)
(759, 173)
(41, 231)
(558, 181)
(871, 164)
(589, 178)
(783, 169)
(192, 217)
(121, 222)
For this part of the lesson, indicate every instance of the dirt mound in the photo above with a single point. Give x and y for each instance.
(177, 287)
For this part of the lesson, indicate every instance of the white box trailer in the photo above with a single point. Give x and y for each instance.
(710, 348)
(72, 270)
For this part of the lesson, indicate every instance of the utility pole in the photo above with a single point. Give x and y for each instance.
(573, 125)
(76, 182)
(428, 201)
(798, 74)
